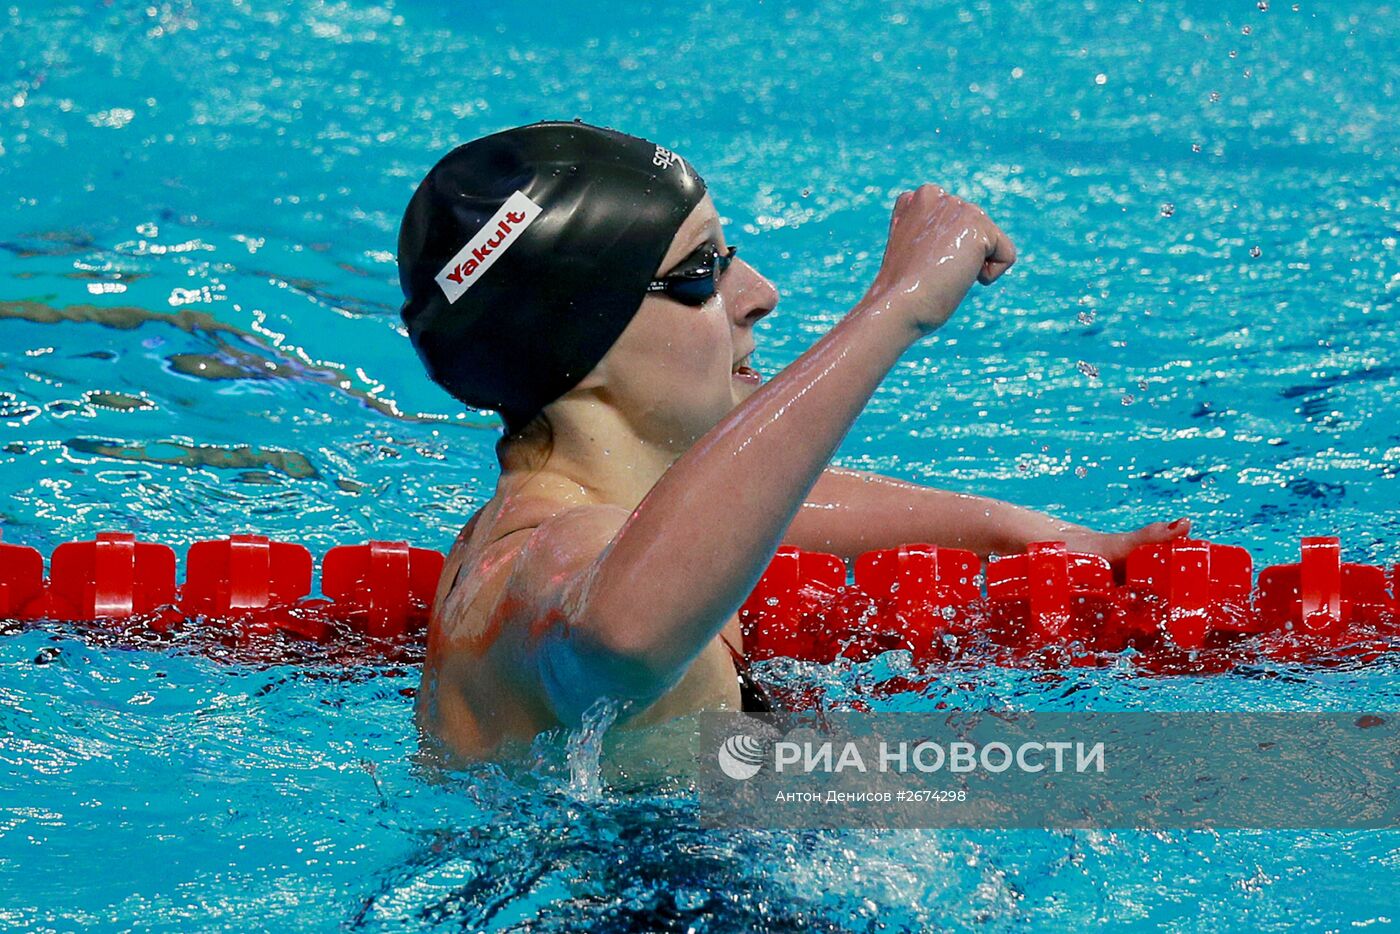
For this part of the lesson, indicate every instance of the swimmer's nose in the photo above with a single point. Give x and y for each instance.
(757, 296)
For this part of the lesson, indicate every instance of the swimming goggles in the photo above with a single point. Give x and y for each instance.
(695, 284)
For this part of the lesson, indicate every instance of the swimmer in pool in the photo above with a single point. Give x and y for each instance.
(578, 281)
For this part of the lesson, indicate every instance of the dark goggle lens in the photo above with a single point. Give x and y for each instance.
(697, 286)
(692, 291)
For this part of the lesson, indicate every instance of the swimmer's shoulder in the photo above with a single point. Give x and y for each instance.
(507, 561)
(481, 677)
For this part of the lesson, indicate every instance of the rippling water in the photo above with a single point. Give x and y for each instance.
(199, 336)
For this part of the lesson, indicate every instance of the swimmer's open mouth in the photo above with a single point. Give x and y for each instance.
(743, 371)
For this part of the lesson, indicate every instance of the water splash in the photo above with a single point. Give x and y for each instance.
(585, 750)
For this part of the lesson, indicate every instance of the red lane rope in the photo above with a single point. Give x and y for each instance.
(1184, 605)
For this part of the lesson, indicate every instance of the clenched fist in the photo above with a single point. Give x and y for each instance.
(938, 246)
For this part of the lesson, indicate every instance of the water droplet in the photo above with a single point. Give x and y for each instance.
(771, 601)
(1101, 78)
(1246, 30)
(1214, 97)
(1080, 472)
(1128, 398)
(1263, 6)
(1195, 147)
(1255, 252)
(806, 192)
(1088, 369)
(1168, 209)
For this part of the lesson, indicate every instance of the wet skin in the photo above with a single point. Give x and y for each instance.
(611, 563)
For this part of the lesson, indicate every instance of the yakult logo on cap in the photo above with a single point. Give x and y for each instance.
(505, 226)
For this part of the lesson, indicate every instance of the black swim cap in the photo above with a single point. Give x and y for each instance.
(524, 254)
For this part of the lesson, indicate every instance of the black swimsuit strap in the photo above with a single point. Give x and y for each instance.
(752, 697)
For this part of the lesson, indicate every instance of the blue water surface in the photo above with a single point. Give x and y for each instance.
(199, 336)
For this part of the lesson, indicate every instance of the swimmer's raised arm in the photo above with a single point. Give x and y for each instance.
(630, 622)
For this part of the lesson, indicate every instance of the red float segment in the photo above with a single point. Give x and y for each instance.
(1051, 596)
(244, 572)
(782, 616)
(112, 577)
(387, 587)
(921, 592)
(912, 573)
(253, 584)
(1322, 602)
(21, 578)
(1200, 588)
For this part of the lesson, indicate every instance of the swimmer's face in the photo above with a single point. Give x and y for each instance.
(678, 369)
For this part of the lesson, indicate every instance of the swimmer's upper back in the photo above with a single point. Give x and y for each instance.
(505, 587)
(480, 686)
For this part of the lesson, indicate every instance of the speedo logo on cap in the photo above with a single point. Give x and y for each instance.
(664, 158)
(504, 228)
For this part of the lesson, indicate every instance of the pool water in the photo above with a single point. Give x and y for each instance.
(199, 336)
